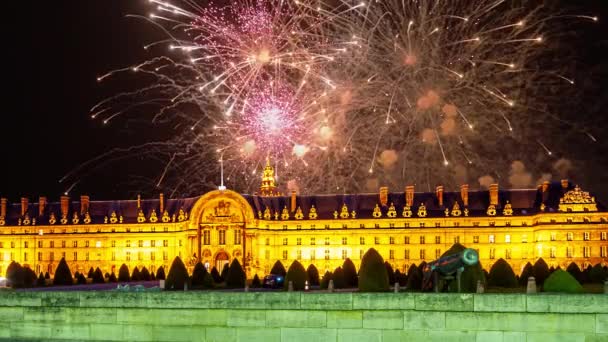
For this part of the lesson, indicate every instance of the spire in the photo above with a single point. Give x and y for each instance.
(222, 187)
(268, 182)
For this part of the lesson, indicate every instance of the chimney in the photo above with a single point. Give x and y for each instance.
(41, 205)
(3, 202)
(138, 201)
(545, 190)
(65, 204)
(24, 203)
(293, 201)
(565, 184)
(84, 204)
(494, 194)
(409, 195)
(464, 194)
(162, 203)
(384, 196)
(439, 193)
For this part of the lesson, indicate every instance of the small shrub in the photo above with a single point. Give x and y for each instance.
(256, 283)
(123, 273)
(178, 276)
(297, 275)
(98, 277)
(152, 276)
(81, 279)
(325, 280)
(63, 276)
(112, 278)
(145, 274)
(235, 279)
(29, 277)
(575, 271)
(414, 278)
(350, 273)
(136, 275)
(40, 282)
(373, 276)
(278, 269)
(160, 273)
(597, 275)
(224, 273)
(400, 278)
(198, 275)
(339, 281)
(216, 275)
(107, 275)
(526, 273)
(47, 275)
(390, 273)
(562, 281)
(501, 274)
(313, 275)
(90, 274)
(14, 275)
(540, 270)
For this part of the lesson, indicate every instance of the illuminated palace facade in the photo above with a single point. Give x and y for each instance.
(557, 221)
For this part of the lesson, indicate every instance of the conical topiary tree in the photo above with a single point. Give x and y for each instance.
(145, 274)
(215, 275)
(502, 275)
(160, 273)
(63, 276)
(526, 273)
(235, 279)
(47, 275)
(29, 277)
(152, 276)
(90, 274)
(390, 273)
(198, 275)
(575, 271)
(313, 275)
(400, 278)
(414, 278)
(40, 282)
(350, 273)
(325, 280)
(278, 269)
(178, 276)
(123, 273)
(255, 282)
(224, 273)
(597, 275)
(112, 278)
(81, 279)
(373, 276)
(540, 270)
(98, 276)
(136, 275)
(297, 275)
(338, 277)
(562, 281)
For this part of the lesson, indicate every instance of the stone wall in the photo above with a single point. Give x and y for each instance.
(317, 317)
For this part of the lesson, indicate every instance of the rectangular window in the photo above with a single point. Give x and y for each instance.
(206, 237)
(552, 252)
(25, 256)
(313, 241)
(222, 237)
(457, 239)
(586, 251)
(237, 236)
(113, 243)
(391, 240)
(285, 241)
(327, 254)
(165, 243)
(421, 224)
(437, 239)
(140, 243)
(1, 244)
(508, 253)
(362, 240)
(391, 225)
(326, 241)
(75, 244)
(569, 252)
(52, 244)
(267, 254)
(128, 243)
(140, 256)
(344, 254)
(437, 253)
(391, 254)
(113, 256)
(39, 244)
(376, 240)
(361, 225)
(128, 256)
(586, 236)
(52, 256)
(406, 254)
(422, 254)
(152, 256)
(313, 255)
(180, 241)
(24, 244)
(603, 236)
(299, 241)
(491, 238)
(569, 236)
(345, 241)
(553, 236)
(75, 256)
(299, 254)
(492, 253)
(360, 254)
(284, 255)
(524, 238)
(437, 224)
(62, 244)
(508, 238)
(39, 256)
(267, 241)
(152, 243)
(603, 251)
(422, 240)
(86, 243)
(406, 240)
(476, 239)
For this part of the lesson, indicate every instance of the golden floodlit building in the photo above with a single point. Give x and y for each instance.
(557, 221)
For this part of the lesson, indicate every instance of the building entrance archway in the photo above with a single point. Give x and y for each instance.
(221, 259)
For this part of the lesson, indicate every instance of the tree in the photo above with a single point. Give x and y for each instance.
(112, 278)
(540, 270)
(350, 273)
(501, 274)
(224, 273)
(390, 273)
(526, 273)
(90, 274)
(152, 276)
(597, 275)
(123, 273)
(297, 275)
(160, 273)
(562, 281)
(255, 283)
(29, 277)
(373, 276)
(14, 275)
(145, 274)
(216, 275)
(40, 282)
(278, 269)
(198, 275)
(178, 276)
(325, 280)
(81, 279)
(63, 276)
(313, 275)
(400, 278)
(339, 282)
(236, 277)
(98, 276)
(414, 278)
(47, 275)
(575, 271)
(136, 275)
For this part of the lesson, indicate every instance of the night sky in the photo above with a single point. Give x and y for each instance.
(58, 48)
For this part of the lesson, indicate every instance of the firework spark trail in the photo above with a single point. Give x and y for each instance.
(334, 89)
